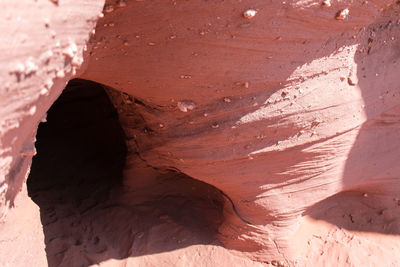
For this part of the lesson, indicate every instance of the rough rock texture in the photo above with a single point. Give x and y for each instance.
(290, 116)
(38, 39)
(90, 216)
(40, 53)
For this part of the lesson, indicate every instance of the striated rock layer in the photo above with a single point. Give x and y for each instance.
(288, 117)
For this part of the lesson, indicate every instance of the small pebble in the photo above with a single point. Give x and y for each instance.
(249, 13)
(186, 106)
(70, 51)
(44, 91)
(326, 3)
(48, 83)
(30, 67)
(342, 14)
(60, 74)
(32, 110)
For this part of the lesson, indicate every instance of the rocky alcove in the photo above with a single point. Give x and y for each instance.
(90, 212)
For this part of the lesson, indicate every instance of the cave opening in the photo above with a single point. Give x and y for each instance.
(88, 213)
(81, 148)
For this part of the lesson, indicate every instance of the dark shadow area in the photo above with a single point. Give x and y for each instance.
(87, 213)
(371, 174)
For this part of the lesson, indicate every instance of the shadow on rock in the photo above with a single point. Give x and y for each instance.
(88, 215)
(370, 177)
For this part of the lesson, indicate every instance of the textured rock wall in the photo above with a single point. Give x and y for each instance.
(272, 110)
(42, 47)
(280, 111)
(42, 44)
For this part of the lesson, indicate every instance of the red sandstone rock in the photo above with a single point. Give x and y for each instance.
(294, 152)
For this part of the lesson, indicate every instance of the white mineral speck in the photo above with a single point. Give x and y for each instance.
(30, 67)
(185, 106)
(249, 13)
(32, 110)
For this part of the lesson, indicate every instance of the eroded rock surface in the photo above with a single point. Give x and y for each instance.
(290, 115)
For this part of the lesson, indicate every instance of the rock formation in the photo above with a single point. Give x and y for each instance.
(222, 132)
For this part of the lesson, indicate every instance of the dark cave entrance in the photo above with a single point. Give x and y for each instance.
(88, 214)
(81, 147)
